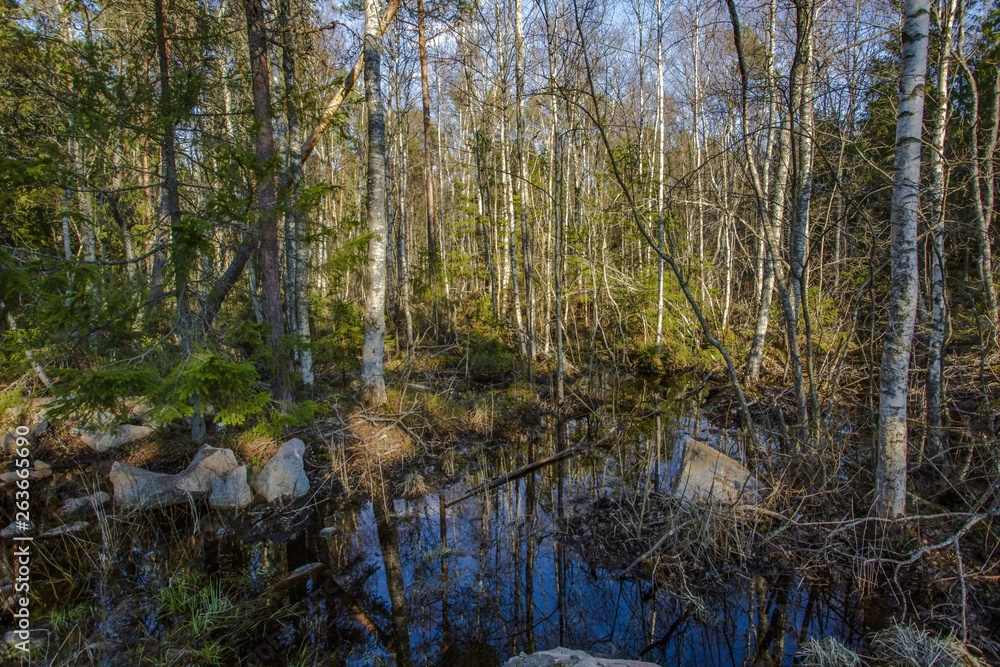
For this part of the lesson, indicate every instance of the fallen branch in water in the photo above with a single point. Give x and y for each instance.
(659, 543)
(529, 468)
(359, 614)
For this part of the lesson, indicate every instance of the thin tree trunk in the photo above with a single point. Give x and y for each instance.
(373, 350)
(696, 137)
(558, 270)
(522, 184)
(936, 197)
(234, 270)
(982, 184)
(801, 112)
(770, 212)
(296, 248)
(661, 128)
(425, 98)
(403, 259)
(506, 181)
(170, 209)
(890, 482)
(267, 223)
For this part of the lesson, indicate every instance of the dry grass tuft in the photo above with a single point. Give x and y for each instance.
(385, 441)
(827, 652)
(414, 485)
(909, 646)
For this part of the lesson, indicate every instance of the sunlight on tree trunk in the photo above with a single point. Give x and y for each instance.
(890, 482)
(372, 378)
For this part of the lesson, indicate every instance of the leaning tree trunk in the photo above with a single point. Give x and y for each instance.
(373, 351)
(890, 482)
(266, 197)
(935, 194)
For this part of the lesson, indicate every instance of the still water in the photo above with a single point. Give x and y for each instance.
(407, 581)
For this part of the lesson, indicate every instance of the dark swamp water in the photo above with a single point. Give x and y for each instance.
(389, 580)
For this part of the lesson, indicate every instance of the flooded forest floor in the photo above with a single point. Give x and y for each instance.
(424, 541)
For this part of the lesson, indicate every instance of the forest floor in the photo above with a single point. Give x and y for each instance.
(487, 575)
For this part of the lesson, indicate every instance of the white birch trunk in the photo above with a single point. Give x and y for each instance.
(373, 350)
(890, 483)
(935, 346)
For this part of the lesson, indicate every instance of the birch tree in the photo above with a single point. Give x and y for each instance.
(373, 350)
(946, 11)
(890, 482)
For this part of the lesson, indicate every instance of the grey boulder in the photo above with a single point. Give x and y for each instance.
(709, 475)
(16, 529)
(231, 491)
(208, 464)
(135, 487)
(284, 476)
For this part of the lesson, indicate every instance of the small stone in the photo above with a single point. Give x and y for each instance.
(86, 504)
(119, 436)
(65, 529)
(208, 464)
(135, 487)
(300, 574)
(35, 638)
(558, 657)
(33, 475)
(231, 491)
(38, 427)
(284, 476)
(17, 529)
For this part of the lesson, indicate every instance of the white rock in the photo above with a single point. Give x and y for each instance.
(564, 656)
(38, 426)
(231, 491)
(709, 475)
(284, 477)
(86, 504)
(135, 487)
(33, 474)
(16, 528)
(119, 436)
(208, 464)
(65, 529)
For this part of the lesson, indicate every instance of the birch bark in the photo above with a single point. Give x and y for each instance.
(890, 482)
(373, 350)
